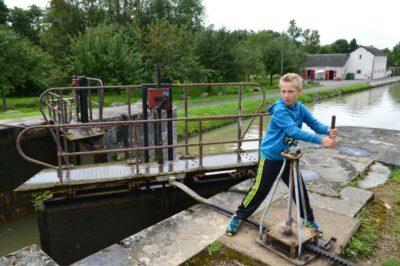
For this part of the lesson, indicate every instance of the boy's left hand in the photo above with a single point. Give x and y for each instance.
(333, 132)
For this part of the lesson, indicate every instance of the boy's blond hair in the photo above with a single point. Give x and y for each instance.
(292, 78)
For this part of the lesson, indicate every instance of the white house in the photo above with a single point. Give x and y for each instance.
(366, 62)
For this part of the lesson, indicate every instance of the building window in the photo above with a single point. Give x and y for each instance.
(360, 57)
(358, 71)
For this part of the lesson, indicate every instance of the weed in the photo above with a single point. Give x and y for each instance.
(214, 248)
(396, 175)
(39, 197)
(354, 182)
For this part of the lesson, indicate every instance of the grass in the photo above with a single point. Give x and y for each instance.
(362, 244)
(29, 106)
(396, 175)
(391, 262)
(377, 240)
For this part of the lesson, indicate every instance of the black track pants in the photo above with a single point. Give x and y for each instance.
(266, 175)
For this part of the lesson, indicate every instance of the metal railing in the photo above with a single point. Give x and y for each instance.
(67, 120)
(62, 155)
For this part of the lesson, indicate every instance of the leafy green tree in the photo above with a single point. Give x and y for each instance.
(325, 49)
(294, 32)
(310, 41)
(294, 57)
(216, 52)
(120, 12)
(105, 52)
(186, 13)
(24, 68)
(340, 46)
(173, 48)
(64, 19)
(275, 46)
(394, 56)
(307, 39)
(353, 45)
(271, 55)
(3, 13)
(27, 23)
(248, 59)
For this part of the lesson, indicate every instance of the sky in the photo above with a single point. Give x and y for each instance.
(370, 22)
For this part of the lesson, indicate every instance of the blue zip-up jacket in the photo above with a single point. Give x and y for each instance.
(284, 129)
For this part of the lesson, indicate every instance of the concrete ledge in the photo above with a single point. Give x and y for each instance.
(28, 256)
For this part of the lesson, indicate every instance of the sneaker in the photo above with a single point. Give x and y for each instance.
(313, 225)
(233, 226)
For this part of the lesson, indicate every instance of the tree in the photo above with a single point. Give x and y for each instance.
(353, 45)
(216, 52)
(24, 68)
(340, 46)
(105, 52)
(188, 13)
(325, 49)
(394, 56)
(294, 32)
(310, 41)
(173, 48)
(64, 20)
(307, 39)
(3, 13)
(27, 23)
(271, 45)
(248, 59)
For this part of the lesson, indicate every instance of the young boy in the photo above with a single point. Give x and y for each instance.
(284, 130)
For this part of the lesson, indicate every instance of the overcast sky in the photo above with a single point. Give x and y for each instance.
(371, 23)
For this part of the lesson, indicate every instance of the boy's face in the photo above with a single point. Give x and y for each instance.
(289, 93)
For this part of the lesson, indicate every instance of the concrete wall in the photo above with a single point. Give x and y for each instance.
(14, 170)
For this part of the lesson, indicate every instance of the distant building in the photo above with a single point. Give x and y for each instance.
(366, 62)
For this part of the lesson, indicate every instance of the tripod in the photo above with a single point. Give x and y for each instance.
(295, 182)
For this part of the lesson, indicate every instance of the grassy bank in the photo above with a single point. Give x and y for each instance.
(249, 106)
(29, 106)
(377, 242)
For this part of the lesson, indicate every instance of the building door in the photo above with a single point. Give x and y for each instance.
(331, 74)
(310, 74)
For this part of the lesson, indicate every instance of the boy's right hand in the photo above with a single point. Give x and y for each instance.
(327, 142)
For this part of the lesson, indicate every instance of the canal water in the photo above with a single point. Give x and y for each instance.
(378, 107)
